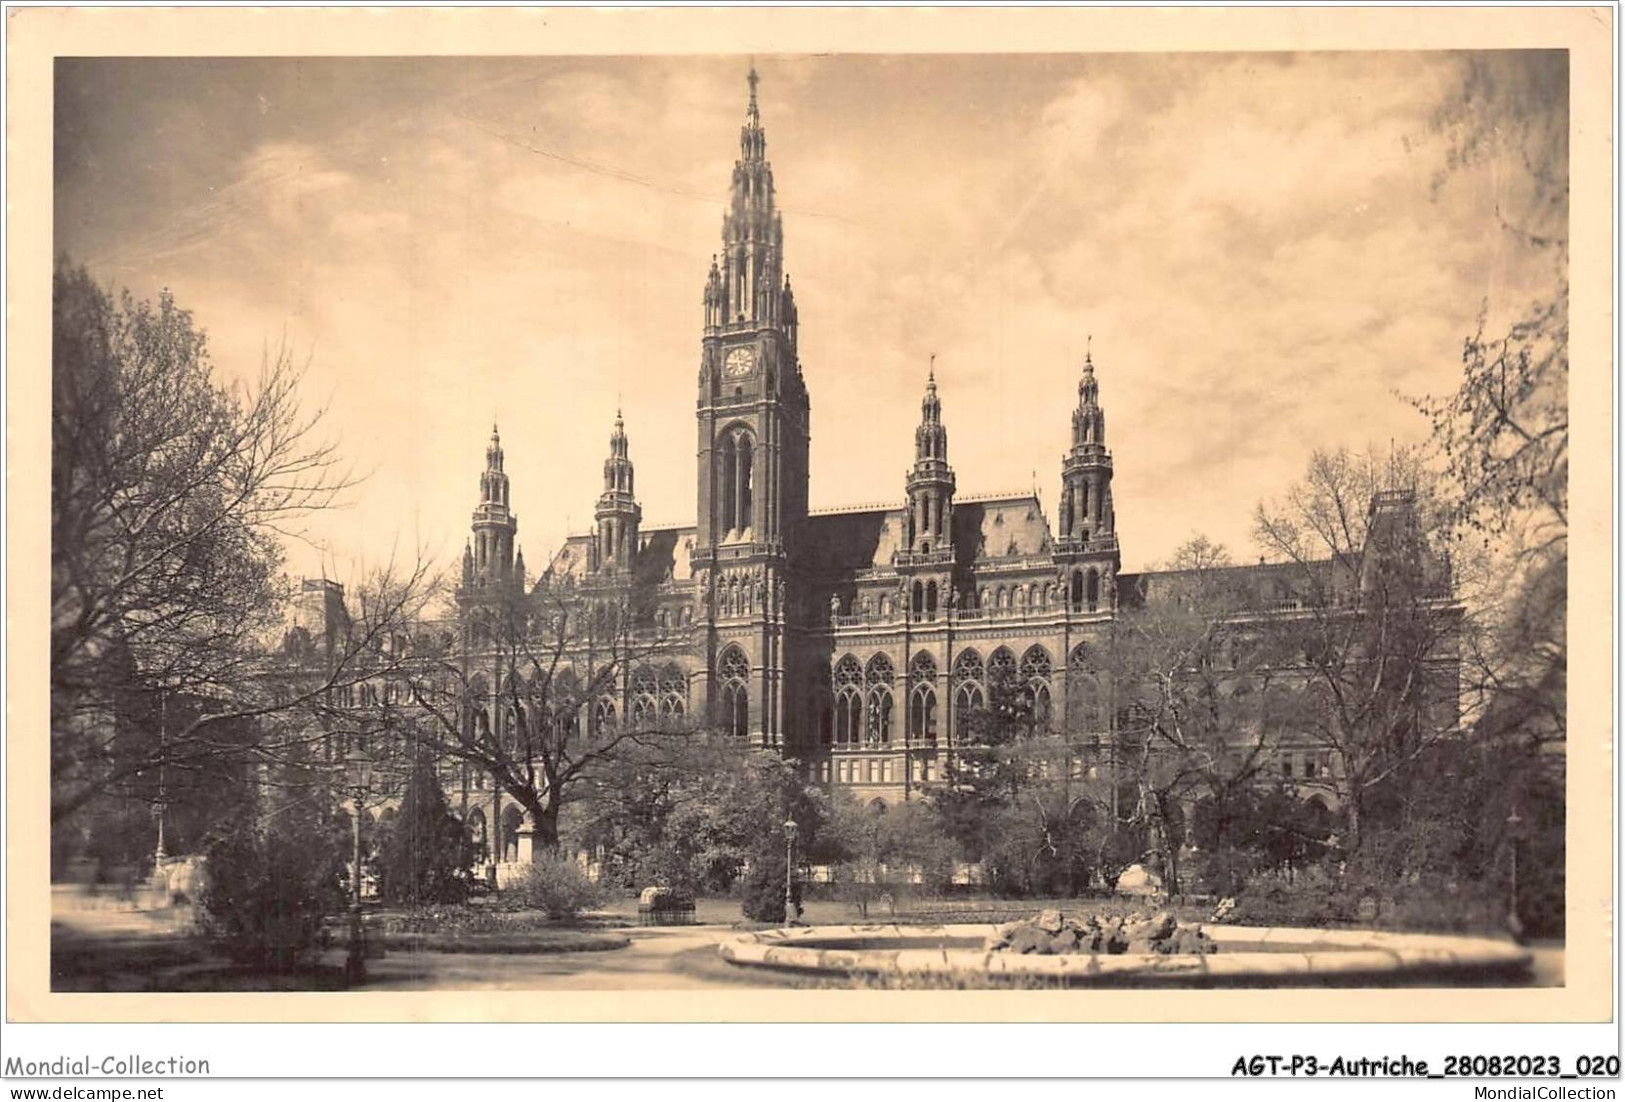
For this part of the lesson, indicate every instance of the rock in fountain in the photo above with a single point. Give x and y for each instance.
(1053, 934)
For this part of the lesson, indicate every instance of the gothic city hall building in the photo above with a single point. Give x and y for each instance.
(855, 640)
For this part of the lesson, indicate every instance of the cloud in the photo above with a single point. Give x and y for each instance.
(1255, 244)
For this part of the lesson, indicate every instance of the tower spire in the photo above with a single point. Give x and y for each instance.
(931, 482)
(748, 286)
(1088, 526)
(494, 522)
(618, 513)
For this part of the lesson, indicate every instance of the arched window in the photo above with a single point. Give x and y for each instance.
(1001, 667)
(848, 715)
(1035, 672)
(733, 674)
(967, 698)
(742, 447)
(603, 716)
(922, 698)
(1035, 664)
(645, 692)
(1086, 703)
(919, 600)
(673, 693)
(848, 701)
(878, 676)
(931, 600)
(736, 709)
(922, 713)
(1092, 594)
(726, 482)
(880, 709)
(1077, 591)
(1041, 706)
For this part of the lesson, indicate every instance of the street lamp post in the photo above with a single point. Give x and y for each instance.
(357, 772)
(1514, 823)
(789, 872)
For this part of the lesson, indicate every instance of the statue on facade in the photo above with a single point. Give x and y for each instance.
(834, 605)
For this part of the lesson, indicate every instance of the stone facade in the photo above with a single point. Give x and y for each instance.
(855, 640)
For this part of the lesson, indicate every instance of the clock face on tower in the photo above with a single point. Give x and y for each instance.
(739, 362)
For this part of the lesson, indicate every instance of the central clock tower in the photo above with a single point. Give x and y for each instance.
(753, 431)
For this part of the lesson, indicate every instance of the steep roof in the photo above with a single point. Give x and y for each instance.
(1000, 527)
(663, 556)
(844, 541)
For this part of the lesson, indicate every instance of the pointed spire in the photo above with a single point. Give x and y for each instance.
(752, 143)
(1088, 420)
(493, 450)
(1088, 389)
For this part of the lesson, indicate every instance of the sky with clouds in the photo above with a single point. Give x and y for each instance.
(1259, 246)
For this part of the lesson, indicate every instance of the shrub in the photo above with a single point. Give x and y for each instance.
(425, 853)
(557, 885)
(762, 890)
(268, 891)
(1417, 902)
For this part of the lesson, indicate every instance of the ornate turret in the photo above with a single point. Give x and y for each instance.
(494, 522)
(747, 288)
(927, 564)
(618, 513)
(1088, 533)
(931, 482)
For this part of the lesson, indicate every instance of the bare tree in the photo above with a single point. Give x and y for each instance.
(1203, 688)
(1378, 629)
(171, 496)
(1503, 435)
(535, 695)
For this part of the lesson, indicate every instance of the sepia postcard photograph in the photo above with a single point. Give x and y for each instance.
(799, 528)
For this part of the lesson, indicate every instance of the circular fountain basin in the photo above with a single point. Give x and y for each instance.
(1248, 956)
